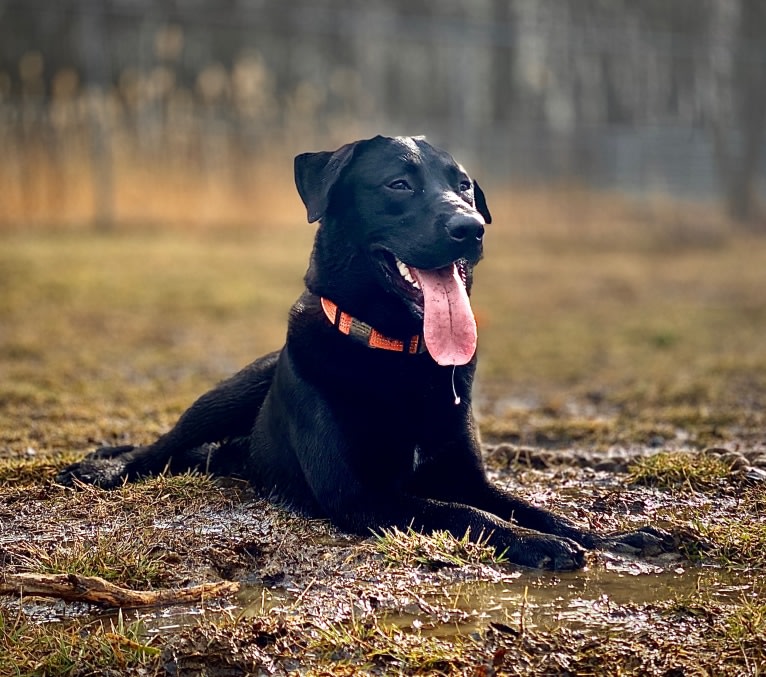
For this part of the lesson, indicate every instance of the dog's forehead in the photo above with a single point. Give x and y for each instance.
(408, 145)
(412, 151)
(422, 151)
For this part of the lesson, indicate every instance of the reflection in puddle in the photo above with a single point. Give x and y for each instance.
(592, 598)
(608, 595)
(252, 600)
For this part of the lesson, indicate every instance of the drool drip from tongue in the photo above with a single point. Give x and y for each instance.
(449, 327)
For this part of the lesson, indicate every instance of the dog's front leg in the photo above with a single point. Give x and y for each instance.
(358, 483)
(451, 469)
(366, 507)
(645, 541)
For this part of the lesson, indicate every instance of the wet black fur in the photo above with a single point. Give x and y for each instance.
(365, 437)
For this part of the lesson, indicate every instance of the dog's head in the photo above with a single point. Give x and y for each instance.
(402, 225)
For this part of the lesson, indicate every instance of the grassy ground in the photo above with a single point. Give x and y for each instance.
(623, 379)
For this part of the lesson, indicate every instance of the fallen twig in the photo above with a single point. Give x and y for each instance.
(74, 588)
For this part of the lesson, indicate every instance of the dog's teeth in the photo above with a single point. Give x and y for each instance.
(404, 271)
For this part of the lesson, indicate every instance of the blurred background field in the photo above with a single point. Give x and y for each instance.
(151, 239)
(110, 337)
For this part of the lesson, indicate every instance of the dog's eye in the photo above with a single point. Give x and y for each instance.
(465, 186)
(400, 184)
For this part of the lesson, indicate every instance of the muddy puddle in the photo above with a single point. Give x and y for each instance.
(612, 596)
(595, 599)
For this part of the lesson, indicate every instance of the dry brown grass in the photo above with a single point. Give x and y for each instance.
(58, 193)
(583, 301)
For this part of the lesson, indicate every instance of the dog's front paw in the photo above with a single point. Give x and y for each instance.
(107, 467)
(542, 551)
(111, 452)
(646, 542)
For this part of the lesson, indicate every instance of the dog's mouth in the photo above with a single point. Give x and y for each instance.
(440, 296)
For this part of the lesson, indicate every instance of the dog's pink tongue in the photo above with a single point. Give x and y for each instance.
(449, 327)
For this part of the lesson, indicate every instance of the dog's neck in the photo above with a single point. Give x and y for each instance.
(369, 336)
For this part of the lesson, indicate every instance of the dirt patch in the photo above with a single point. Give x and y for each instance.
(315, 599)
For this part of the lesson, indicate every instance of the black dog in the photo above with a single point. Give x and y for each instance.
(364, 416)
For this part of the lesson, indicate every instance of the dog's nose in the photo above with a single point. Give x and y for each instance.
(465, 228)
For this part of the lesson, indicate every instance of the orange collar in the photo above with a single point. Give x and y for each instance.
(364, 333)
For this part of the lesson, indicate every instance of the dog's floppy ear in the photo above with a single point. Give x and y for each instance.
(481, 202)
(316, 174)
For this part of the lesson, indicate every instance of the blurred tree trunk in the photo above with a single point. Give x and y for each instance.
(502, 62)
(738, 148)
(97, 80)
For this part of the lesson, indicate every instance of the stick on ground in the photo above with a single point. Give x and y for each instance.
(95, 590)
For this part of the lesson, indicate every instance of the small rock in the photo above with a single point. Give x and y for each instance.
(734, 460)
(609, 465)
(757, 475)
(716, 451)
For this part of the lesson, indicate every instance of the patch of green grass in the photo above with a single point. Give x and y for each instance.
(140, 535)
(743, 631)
(679, 470)
(128, 556)
(733, 541)
(726, 528)
(369, 644)
(32, 471)
(35, 650)
(126, 546)
(734, 632)
(158, 497)
(439, 549)
(189, 490)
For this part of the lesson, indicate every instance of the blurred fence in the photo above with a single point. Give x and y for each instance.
(138, 111)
